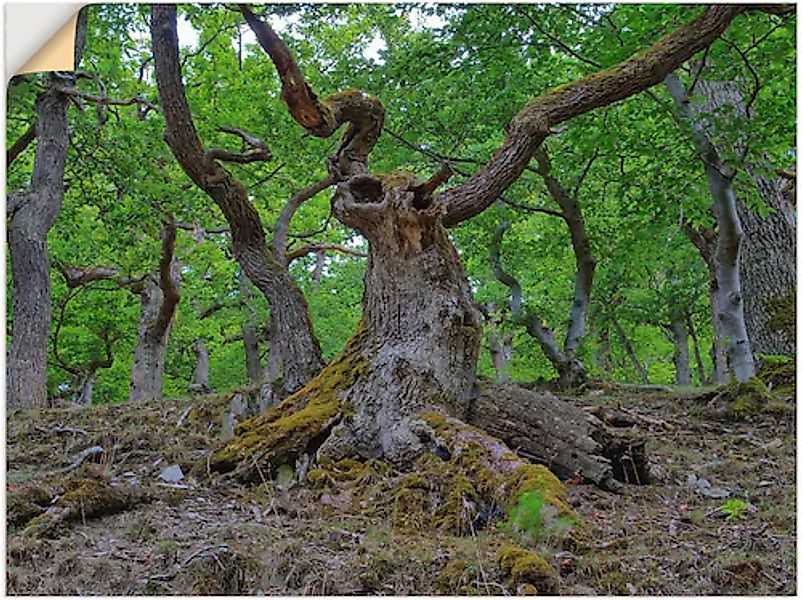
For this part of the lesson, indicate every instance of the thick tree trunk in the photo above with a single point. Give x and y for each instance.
(679, 335)
(730, 236)
(768, 270)
(414, 356)
(421, 326)
(28, 226)
(29, 219)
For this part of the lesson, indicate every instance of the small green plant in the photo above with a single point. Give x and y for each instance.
(734, 509)
(530, 516)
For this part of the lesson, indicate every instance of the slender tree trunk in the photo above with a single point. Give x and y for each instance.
(730, 236)
(201, 377)
(768, 250)
(86, 384)
(294, 342)
(705, 239)
(500, 347)
(679, 335)
(159, 299)
(580, 243)
(571, 372)
(700, 366)
(630, 351)
(151, 347)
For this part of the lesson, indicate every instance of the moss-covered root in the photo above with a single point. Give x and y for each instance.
(494, 468)
(526, 572)
(86, 499)
(298, 425)
(466, 482)
(742, 400)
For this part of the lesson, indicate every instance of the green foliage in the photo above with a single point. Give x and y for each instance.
(735, 509)
(529, 517)
(451, 78)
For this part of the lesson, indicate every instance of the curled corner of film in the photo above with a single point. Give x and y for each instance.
(39, 37)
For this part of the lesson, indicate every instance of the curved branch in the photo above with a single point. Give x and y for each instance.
(532, 209)
(19, 146)
(321, 118)
(500, 273)
(261, 151)
(323, 247)
(282, 226)
(534, 122)
(168, 278)
(534, 326)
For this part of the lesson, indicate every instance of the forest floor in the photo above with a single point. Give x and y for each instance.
(119, 529)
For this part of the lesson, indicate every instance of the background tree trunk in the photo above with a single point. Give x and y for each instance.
(679, 335)
(86, 384)
(630, 351)
(768, 250)
(159, 299)
(730, 235)
(201, 376)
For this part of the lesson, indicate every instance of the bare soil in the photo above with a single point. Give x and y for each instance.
(207, 536)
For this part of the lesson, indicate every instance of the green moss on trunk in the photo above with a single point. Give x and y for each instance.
(281, 435)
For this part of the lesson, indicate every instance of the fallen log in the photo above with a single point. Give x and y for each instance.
(568, 440)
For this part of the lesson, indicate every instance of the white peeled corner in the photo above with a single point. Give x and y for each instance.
(40, 37)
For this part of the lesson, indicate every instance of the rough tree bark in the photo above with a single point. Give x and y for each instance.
(159, 299)
(730, 234)
(414, 354)
(293, 342)
(250, 334)
(768, 250)
(30, 216)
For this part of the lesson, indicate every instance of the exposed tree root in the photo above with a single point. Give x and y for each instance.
(44, 509)
(565, 438)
